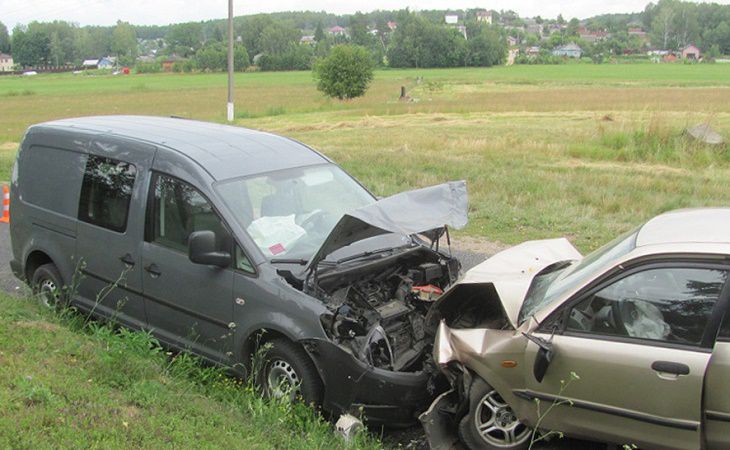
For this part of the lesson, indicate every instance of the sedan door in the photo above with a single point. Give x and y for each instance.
(188, 305)
(717, 391)
(640, 344)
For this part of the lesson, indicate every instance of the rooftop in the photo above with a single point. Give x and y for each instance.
(706, 225)
(224, 151)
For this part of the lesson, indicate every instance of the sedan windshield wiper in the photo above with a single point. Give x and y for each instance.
(299, 261)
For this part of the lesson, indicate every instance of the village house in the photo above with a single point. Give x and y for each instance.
(6, 63)
(451, 19)
(107, 62)
(337, 31)
(571, 50)
(691, 53)
(485, 17)
(392, 25)
(169, 62)
(309, 39)
(90, 64)
(512, 41)
(533, 51)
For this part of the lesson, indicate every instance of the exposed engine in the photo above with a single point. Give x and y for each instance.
(379, 307)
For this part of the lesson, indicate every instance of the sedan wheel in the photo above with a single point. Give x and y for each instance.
(497, 423)
(491, 423)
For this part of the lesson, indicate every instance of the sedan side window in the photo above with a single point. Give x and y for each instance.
(662, 304)
(179, 210)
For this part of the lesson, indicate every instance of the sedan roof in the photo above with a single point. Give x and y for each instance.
(706, 225)
(223, 151)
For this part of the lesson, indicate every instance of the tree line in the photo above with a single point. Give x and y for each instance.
(274, 41)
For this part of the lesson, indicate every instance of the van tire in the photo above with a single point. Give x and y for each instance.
(468, 432)
(47, 284)
(287, 362)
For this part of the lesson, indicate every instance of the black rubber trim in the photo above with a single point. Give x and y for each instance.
(170, 305)
(654, 420)
(670, 367)
(717, 416)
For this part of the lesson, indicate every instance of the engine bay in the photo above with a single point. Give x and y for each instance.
(379, 306)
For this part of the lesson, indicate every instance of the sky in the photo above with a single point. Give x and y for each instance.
(162, 12)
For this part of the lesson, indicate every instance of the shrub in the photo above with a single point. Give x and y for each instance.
(345, 73)
(151, 67)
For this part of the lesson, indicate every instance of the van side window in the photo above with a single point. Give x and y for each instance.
(105, 192)
(179, 209)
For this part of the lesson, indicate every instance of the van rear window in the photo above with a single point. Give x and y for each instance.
(106, 192)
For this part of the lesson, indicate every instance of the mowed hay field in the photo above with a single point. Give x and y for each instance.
(583, 151)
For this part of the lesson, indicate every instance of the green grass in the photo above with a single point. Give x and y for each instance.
(578, 150)
(64, 384)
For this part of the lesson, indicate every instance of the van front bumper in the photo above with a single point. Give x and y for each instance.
(394, 399)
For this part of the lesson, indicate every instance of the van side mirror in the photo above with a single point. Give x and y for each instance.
(543, 358)
(202, 250)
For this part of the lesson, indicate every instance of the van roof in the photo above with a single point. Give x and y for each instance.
(223, 151)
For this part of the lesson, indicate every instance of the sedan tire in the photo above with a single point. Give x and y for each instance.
(491, 423)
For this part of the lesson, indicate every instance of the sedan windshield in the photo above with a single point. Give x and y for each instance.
(558, 279)
(289, 213)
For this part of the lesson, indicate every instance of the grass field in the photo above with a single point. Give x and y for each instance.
(584, 151)
(68, 383)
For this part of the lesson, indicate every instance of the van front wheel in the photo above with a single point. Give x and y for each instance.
(47, 285)
(289, 372)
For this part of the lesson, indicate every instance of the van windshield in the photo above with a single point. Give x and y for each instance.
(289, 213)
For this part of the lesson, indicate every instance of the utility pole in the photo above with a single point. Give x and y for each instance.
(230, 61)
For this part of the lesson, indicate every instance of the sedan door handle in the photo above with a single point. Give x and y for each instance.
(669, 367)
(153, 270)
(127, 259)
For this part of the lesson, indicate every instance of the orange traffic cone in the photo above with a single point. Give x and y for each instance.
(6, 204)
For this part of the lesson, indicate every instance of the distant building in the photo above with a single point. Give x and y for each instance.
(169, 62)
(6, 63)
(691, 52)
(485, 17)
(392, 25)
(108, 62)
(512, 41)
(462, 29)
(571, 50)
(90, 63)
(337, 31)
(451, 19)
(533, 51)
(307, 40)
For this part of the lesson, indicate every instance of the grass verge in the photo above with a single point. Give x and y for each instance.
(69, 383)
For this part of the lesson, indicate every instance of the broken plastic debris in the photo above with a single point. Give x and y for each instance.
(348, 426)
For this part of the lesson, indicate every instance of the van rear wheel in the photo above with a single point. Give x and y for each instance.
(48, 286)
(289, 372)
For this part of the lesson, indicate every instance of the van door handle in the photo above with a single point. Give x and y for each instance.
(127, 259)
(153, 270)
(669, 367)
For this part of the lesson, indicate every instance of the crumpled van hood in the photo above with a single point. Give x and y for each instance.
(511, 271)
(407, 213)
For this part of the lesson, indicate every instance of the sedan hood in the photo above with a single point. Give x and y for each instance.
(511, 271)
(407, 213)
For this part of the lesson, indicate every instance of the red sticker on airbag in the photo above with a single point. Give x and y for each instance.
(276, 249)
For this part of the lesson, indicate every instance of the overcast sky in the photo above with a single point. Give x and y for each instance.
(161, 12)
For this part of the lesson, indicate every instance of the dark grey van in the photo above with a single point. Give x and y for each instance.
(219, 239)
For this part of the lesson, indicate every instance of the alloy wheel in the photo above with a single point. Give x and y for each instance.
(497, 423)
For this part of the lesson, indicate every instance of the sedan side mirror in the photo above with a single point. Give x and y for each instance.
(543, 358)
(202, 250)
